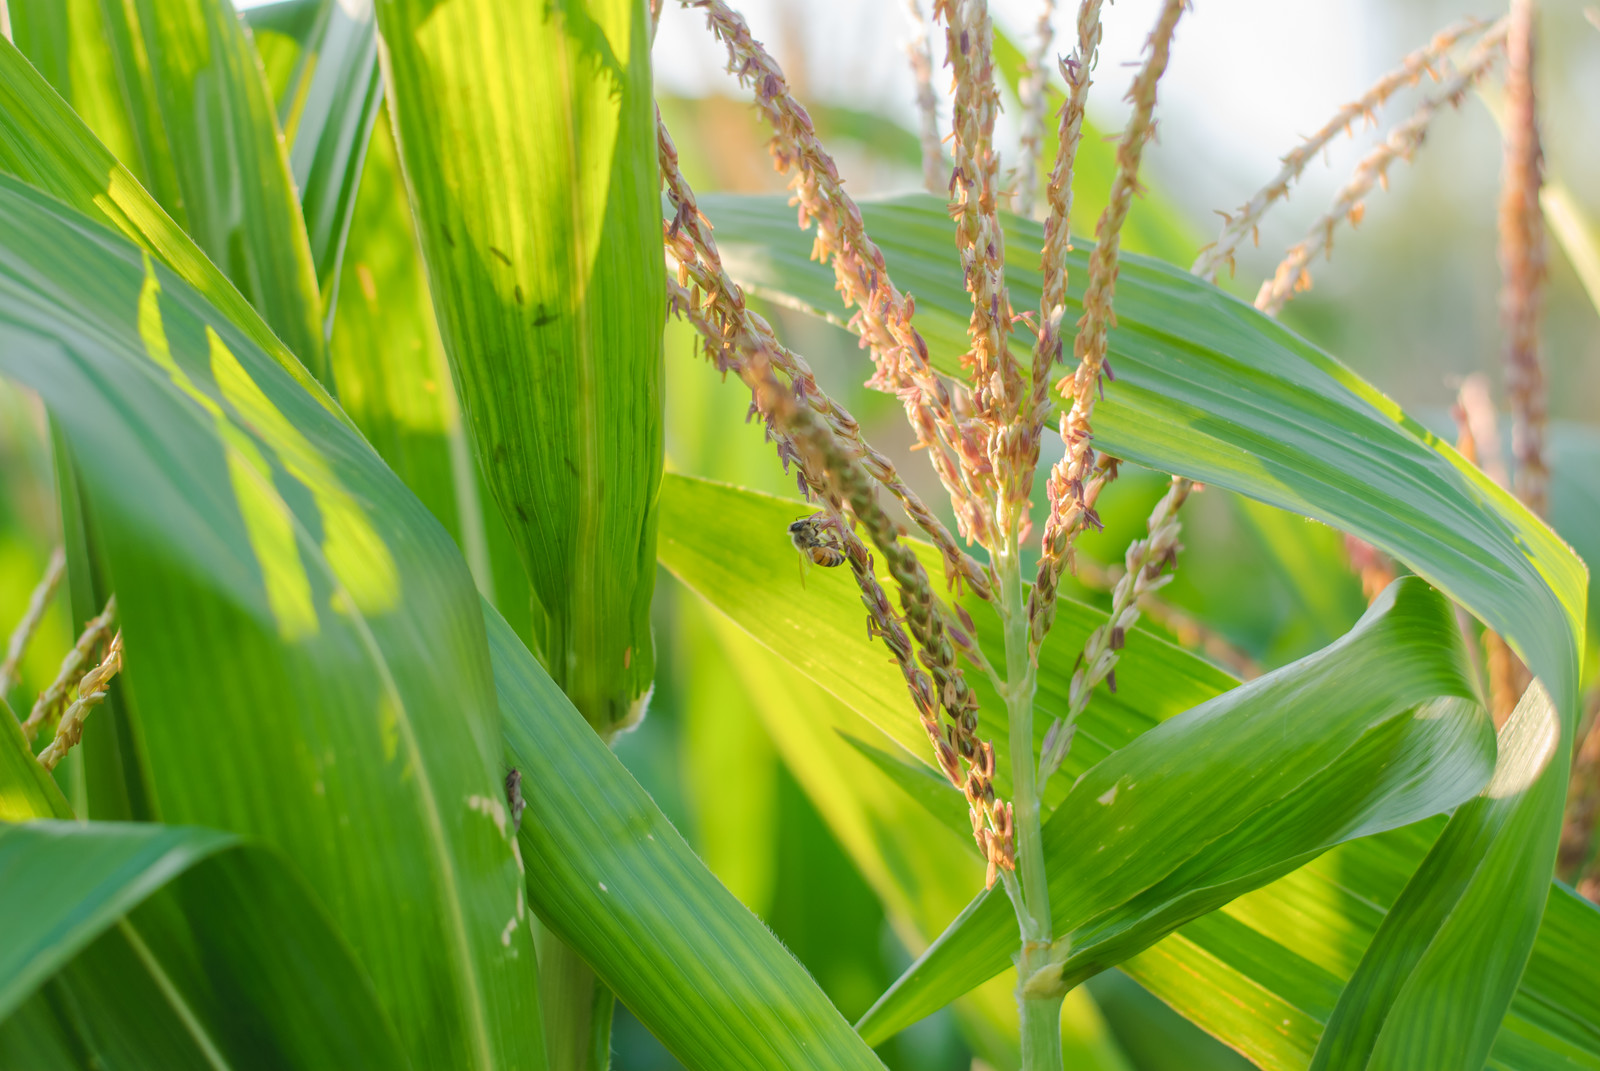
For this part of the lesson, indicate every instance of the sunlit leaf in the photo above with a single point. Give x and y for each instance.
(1264, 972)
(609, 874)
(113, 917)
(184, 104)
(527, 136)
(335, 91)
(1210, 388)
(43, 143)
(301, 635)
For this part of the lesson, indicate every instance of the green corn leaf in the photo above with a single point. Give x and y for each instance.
(105, 780)
(335, 93)
(183, 102)
(1410, 1001)
(1208, 387)
(43, 143)
(303, 635)
(107, 910)
(280, 32)
(528, 141)
(1264, 972)
(614, 880)
(1374, 732)
(394, 381)
(108, 916)
(745, 565)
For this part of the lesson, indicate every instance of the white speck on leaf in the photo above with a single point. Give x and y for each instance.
(492, 808)
(1107, 796)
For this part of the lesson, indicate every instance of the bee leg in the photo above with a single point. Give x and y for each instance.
(803, 564)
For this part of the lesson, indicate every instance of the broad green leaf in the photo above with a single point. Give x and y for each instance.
(114, 917)
(223, 932)
(394, 381)
(26, 788)
(1210, 388)
(393, 378)
(528, 140)
(1376, 731)
(103, 773)
(1411, 998)
(335, 93)
(745, 566)
(43, 143)
(186, 106)
(1264, 972)
(611, 876)
(301, 635)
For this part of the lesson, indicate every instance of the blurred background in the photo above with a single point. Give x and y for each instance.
(737, 755)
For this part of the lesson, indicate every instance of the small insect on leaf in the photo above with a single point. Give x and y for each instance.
(514, 798)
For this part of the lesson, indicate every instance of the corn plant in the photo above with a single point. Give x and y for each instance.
(349, 321)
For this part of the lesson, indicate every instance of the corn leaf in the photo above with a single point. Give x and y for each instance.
(102, 904)
(1210, 388)
(109, 916)
(1264, 972)
(303, 634)
(393, 378)
(1384, 732)
(614, 880)
(280, 32)
(334, 95)
(176, 89)
(527, 136)
(43, 143)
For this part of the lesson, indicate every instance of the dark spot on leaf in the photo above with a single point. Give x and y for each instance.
(500, 254)
(518, 291)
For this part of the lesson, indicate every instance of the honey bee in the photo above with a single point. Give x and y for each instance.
(818, 542)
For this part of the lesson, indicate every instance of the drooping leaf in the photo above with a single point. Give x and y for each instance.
(303, 633)
(528, 140)
(1374, 732)
(184, 104)
(1210, 388)
(614, 880)
(184, 945)
(1264, 972)
(745, 566)
(243, 952)
(106, 781)
(43, 143)
(1411, 999)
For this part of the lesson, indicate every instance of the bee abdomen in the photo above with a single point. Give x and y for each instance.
(827, 557)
